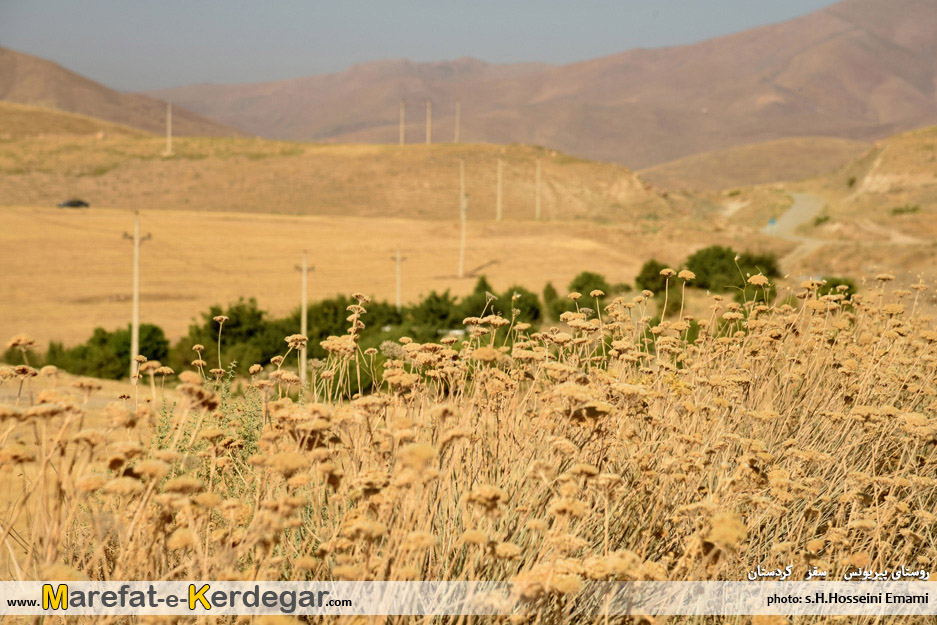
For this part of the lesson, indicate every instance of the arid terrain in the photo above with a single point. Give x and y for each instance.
(858, 69)
(230, 217)
(782, 160)
(710, 351)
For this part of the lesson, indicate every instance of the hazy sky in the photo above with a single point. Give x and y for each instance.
(147, 44)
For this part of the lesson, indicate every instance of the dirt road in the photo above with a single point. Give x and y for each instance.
(805, 207)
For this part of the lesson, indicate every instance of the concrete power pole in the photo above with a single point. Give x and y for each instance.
(398, 259)
(537, 209)
(499, 196)
(135, 318)
(403, 114)
(429, 121)
(303, 321)
(169, 129)
(462, 217)
(304, 314)
(458, 119)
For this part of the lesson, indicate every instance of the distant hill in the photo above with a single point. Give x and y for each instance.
(780, 160)
(22, 120)
(256, 175)
(859, 69)
(27, 79)
(892, 185)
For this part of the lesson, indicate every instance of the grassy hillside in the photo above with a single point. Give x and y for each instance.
(22, 120)
(416, 181)
(888, 193)
(758, 163)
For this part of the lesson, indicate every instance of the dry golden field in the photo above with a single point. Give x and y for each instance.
(82, 279)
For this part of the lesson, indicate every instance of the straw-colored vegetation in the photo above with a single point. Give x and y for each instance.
(600, 449)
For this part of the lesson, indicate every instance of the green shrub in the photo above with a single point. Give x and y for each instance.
(758, 294)
(833, 284)
(107, 354)
(478, 302)
(717, 269)
(907, 209)
(649, 277)
(550, 294)
(588, 281)
(524, 301)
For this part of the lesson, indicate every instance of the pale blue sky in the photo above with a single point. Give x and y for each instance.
(148, 44)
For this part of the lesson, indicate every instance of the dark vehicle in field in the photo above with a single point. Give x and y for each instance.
(74, 203)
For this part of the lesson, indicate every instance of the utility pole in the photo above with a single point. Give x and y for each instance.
(458, 119)
(399, 261)
(303, 320)
(135, 319)
(462, 217)
(429, 121)
(303, 315)
(499, 196)
(169, 129)
(403, 114)
(537, 209)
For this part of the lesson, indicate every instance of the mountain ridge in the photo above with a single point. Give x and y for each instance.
(859, 69)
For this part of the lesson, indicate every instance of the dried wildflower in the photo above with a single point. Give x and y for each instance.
(91, 483)
(123, 486)
(296, 341)
(154, 469)
(486, 354)
(487, 496)
(288, 463)
(506, 551)
(183, 486)
(727, 530)
(181, 539)
(417, 455)
(419, 541)
(474, 537)
(21, 342)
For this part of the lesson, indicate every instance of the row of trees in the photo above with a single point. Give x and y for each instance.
(251, 335)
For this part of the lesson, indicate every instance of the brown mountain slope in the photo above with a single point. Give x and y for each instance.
(859, 69)
(780, 160)
(27, 79)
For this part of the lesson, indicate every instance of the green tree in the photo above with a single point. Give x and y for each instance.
(588, 281)
(476, 302)
(524, 301)
(718, 268)
(833, 284)
(649, 277)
